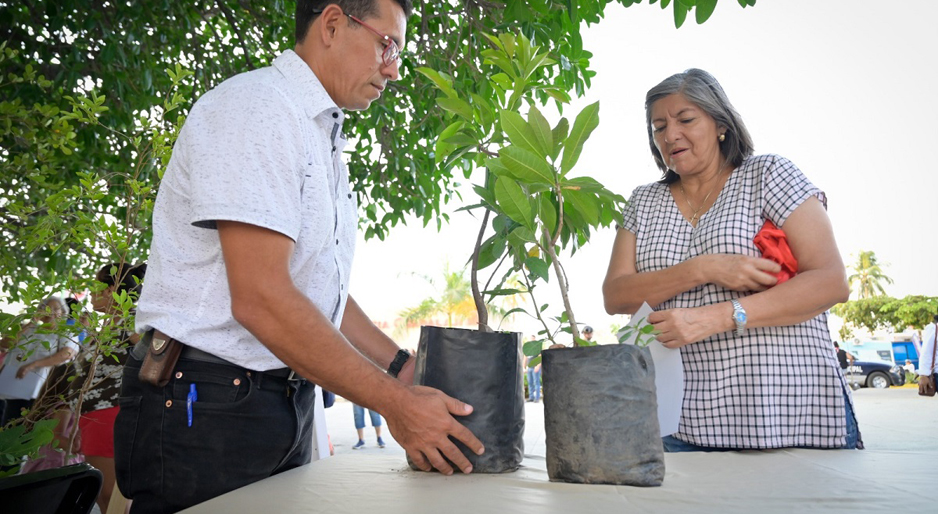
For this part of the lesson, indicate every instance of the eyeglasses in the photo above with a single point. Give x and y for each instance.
(392, 52)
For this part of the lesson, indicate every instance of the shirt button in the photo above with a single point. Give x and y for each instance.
(336, 241)
(350, 195)
(335, 115)
(333, 149)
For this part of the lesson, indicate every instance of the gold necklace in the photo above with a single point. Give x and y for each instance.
(695, 217)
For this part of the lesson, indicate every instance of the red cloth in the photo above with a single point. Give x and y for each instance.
(773, 244)
(97, 432)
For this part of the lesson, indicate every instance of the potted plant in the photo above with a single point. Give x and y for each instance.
(539, 209)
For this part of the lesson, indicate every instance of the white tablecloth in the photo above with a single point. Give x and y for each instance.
(782, 481)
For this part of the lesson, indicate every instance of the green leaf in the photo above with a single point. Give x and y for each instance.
(541, 129)
(512, 200)
(526, 166)
(559, 95)
(585, 123)
(487, 253)
(680, 14)
(559, 135)
(485, 110)
(462, 140)
(456, 106)
(508, 42)
(547, 211)
(523, 235)
(502, 292)
(443, 149)
(520, 133)
(580, 210)
(532, 348)
(583, 184)
(538, 268)
(704, 9)
(496, 166)
(444, 84)
(513, 311)
(495, 41)
(485, 194)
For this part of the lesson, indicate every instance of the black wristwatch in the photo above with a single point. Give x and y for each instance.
(398, 363)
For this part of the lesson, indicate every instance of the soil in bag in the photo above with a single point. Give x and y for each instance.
(482, 369)
(601, 416)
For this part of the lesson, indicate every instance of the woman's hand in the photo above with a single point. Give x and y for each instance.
(24, 369)
(739, 272)
(680, 327)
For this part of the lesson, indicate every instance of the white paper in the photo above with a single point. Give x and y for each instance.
(669, 375)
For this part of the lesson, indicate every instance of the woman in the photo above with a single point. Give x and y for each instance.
(758, 368)
(99, 402)
(30, 357)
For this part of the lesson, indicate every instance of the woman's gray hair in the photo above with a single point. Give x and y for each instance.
(48, 302)
(702, 89)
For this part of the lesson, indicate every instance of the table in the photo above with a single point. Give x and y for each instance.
(782, 481)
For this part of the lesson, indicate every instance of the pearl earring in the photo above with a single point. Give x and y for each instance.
(722, 137)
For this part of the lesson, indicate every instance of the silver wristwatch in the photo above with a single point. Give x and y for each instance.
(739, 317)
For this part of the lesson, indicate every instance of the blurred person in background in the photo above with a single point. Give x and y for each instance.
(30, 356)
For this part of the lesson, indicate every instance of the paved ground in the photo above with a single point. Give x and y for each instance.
(895, 419)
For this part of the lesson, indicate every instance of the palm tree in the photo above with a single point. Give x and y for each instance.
(869, 276)
(454, 301)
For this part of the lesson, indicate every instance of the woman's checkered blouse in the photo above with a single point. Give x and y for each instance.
(771, 387)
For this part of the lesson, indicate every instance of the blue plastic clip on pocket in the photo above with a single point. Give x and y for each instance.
(191, 398)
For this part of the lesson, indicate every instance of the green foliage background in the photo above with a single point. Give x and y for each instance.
(92, 95)
(116, 53)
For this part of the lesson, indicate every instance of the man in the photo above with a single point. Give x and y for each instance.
(845, 359)
(927, 368)
(254, 230)
(588, 333)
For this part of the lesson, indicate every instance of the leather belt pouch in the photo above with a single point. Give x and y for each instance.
(160, 360)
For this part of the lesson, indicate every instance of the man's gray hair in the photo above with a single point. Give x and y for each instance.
(702, 89)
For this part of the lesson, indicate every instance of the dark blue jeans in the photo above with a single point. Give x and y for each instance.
(246, 426)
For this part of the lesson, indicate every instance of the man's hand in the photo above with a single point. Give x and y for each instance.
(422, 422)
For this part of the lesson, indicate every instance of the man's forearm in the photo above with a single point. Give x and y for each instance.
(267, 303)
(366, 336)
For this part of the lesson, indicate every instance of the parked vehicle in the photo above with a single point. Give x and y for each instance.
(889, 351)
(875, 374)
(902, 350)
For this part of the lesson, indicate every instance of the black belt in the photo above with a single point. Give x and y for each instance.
(194, 354)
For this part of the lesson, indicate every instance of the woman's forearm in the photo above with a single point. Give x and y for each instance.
(624, 294)
(801, 298)
(59, 357)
